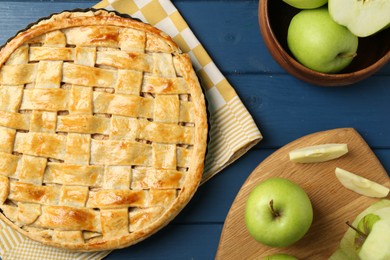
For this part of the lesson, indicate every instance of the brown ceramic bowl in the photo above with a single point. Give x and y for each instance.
(274, 18)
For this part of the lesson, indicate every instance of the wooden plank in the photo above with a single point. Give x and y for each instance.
(231, 24)
(230, 32)
(15, 16)
(175, 242)
(212, 201)
(384, 157)
(209, 206)
(285, 108)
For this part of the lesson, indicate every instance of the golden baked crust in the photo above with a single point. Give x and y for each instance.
(103, 127)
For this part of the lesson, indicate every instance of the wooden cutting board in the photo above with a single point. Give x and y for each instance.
(333, 204)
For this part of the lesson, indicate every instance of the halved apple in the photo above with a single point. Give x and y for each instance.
(348, 248)
(376, 229)
(361, 185)
(318, 153)
(362, 17)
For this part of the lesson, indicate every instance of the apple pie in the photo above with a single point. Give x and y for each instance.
(103, 130)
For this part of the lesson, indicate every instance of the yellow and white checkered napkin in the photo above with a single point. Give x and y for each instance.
(232, 129)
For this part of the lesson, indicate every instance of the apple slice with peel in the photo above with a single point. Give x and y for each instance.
(318, 153)
(362, 17)
(361, 185)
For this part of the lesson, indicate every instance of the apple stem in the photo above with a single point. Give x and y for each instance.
(274, 212)
(362, 234)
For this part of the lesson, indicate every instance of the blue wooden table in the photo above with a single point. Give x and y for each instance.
(284, 108)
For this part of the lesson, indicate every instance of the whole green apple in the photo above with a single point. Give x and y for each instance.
(279, 257)
(306, 4)
(278, 212)
(320, 43)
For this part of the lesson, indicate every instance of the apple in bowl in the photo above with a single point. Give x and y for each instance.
(373, 52)
(278, 212)
(319, 43)
(306, 4)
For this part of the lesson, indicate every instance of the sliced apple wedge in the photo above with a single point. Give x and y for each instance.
(362, 17)
(318, 153)
(361, 185)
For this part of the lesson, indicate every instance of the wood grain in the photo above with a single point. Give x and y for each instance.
(333, 204)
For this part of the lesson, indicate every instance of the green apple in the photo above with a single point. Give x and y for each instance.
(279, 257)
(320, 43)
(278, 212)
(353, 242)
(306, 4)
(362, 17)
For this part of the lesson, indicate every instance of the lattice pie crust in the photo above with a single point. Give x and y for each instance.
(103, 131)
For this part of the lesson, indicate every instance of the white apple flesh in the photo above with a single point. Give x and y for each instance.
(278, 212)
(346, 249)
(319, 43)
(318, 153)
(377, 243)
(361, 185)
(362, 17)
